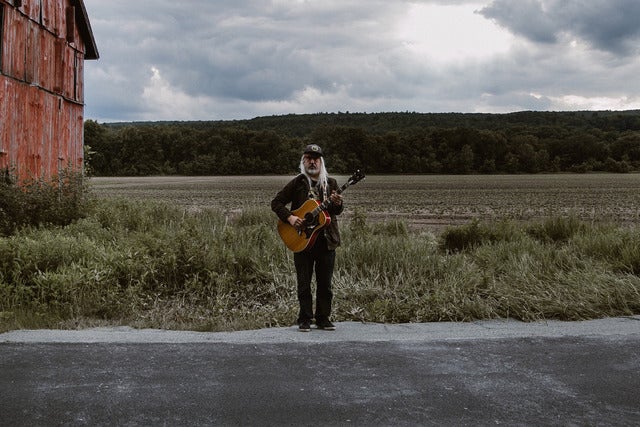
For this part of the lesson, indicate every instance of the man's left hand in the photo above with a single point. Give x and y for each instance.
(336, 198)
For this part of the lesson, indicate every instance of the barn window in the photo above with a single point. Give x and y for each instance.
(71, 24)
(1, 32)
(76, 63)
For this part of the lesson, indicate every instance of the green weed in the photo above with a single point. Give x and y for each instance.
(150, 264)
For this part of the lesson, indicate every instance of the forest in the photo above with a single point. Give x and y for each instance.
(379, 143)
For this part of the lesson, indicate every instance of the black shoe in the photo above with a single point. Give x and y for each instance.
(304, 326)
(326, 325)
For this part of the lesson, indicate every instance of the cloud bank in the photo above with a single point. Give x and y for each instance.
(204, 60)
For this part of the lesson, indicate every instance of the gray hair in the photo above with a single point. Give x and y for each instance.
(323, 178)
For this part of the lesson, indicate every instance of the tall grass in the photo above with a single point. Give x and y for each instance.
(156, 265)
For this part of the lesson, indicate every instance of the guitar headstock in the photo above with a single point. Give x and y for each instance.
(356, 177)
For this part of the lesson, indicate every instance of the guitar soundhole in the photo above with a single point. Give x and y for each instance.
(310, 222)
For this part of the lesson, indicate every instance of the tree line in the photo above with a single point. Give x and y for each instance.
(379, 143)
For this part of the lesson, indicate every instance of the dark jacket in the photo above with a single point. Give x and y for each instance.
(296, 192)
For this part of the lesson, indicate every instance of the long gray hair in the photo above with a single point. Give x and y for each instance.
(323, 177)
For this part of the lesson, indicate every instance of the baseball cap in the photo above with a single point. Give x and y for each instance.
(313, 149)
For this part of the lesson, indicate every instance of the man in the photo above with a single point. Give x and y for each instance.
(313, 183)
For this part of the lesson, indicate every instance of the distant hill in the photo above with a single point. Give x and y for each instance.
(409, 142)
(303, 124)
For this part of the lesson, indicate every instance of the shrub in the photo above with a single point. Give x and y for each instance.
(392, 228)
(469, 236)
(558, 229)
(358, 224)
(57, 202)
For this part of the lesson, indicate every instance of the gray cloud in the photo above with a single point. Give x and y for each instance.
(244, 49)
(199, 59)
(608, 25)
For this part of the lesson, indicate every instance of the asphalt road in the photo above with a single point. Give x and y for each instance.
(481, 373)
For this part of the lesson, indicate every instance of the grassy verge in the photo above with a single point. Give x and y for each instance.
(156, 265)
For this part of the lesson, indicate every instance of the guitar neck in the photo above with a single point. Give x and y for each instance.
(325, 203)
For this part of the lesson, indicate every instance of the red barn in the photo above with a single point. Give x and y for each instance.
(43, 45)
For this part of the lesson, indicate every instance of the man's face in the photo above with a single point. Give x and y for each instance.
(311, 164)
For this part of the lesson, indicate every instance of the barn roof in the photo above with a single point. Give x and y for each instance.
(84, 27)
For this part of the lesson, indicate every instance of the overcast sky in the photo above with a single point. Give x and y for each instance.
(239, 59)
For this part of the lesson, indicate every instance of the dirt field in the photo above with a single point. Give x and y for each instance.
(424, 202)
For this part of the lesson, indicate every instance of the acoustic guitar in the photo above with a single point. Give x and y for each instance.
(315, 217)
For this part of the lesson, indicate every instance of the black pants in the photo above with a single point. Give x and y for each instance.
(323, 260)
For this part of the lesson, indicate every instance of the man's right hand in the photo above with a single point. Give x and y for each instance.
(295, 221)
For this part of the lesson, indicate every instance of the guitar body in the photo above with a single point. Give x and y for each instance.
(300, 239)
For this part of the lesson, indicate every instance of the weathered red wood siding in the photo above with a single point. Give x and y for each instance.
(42, 87)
